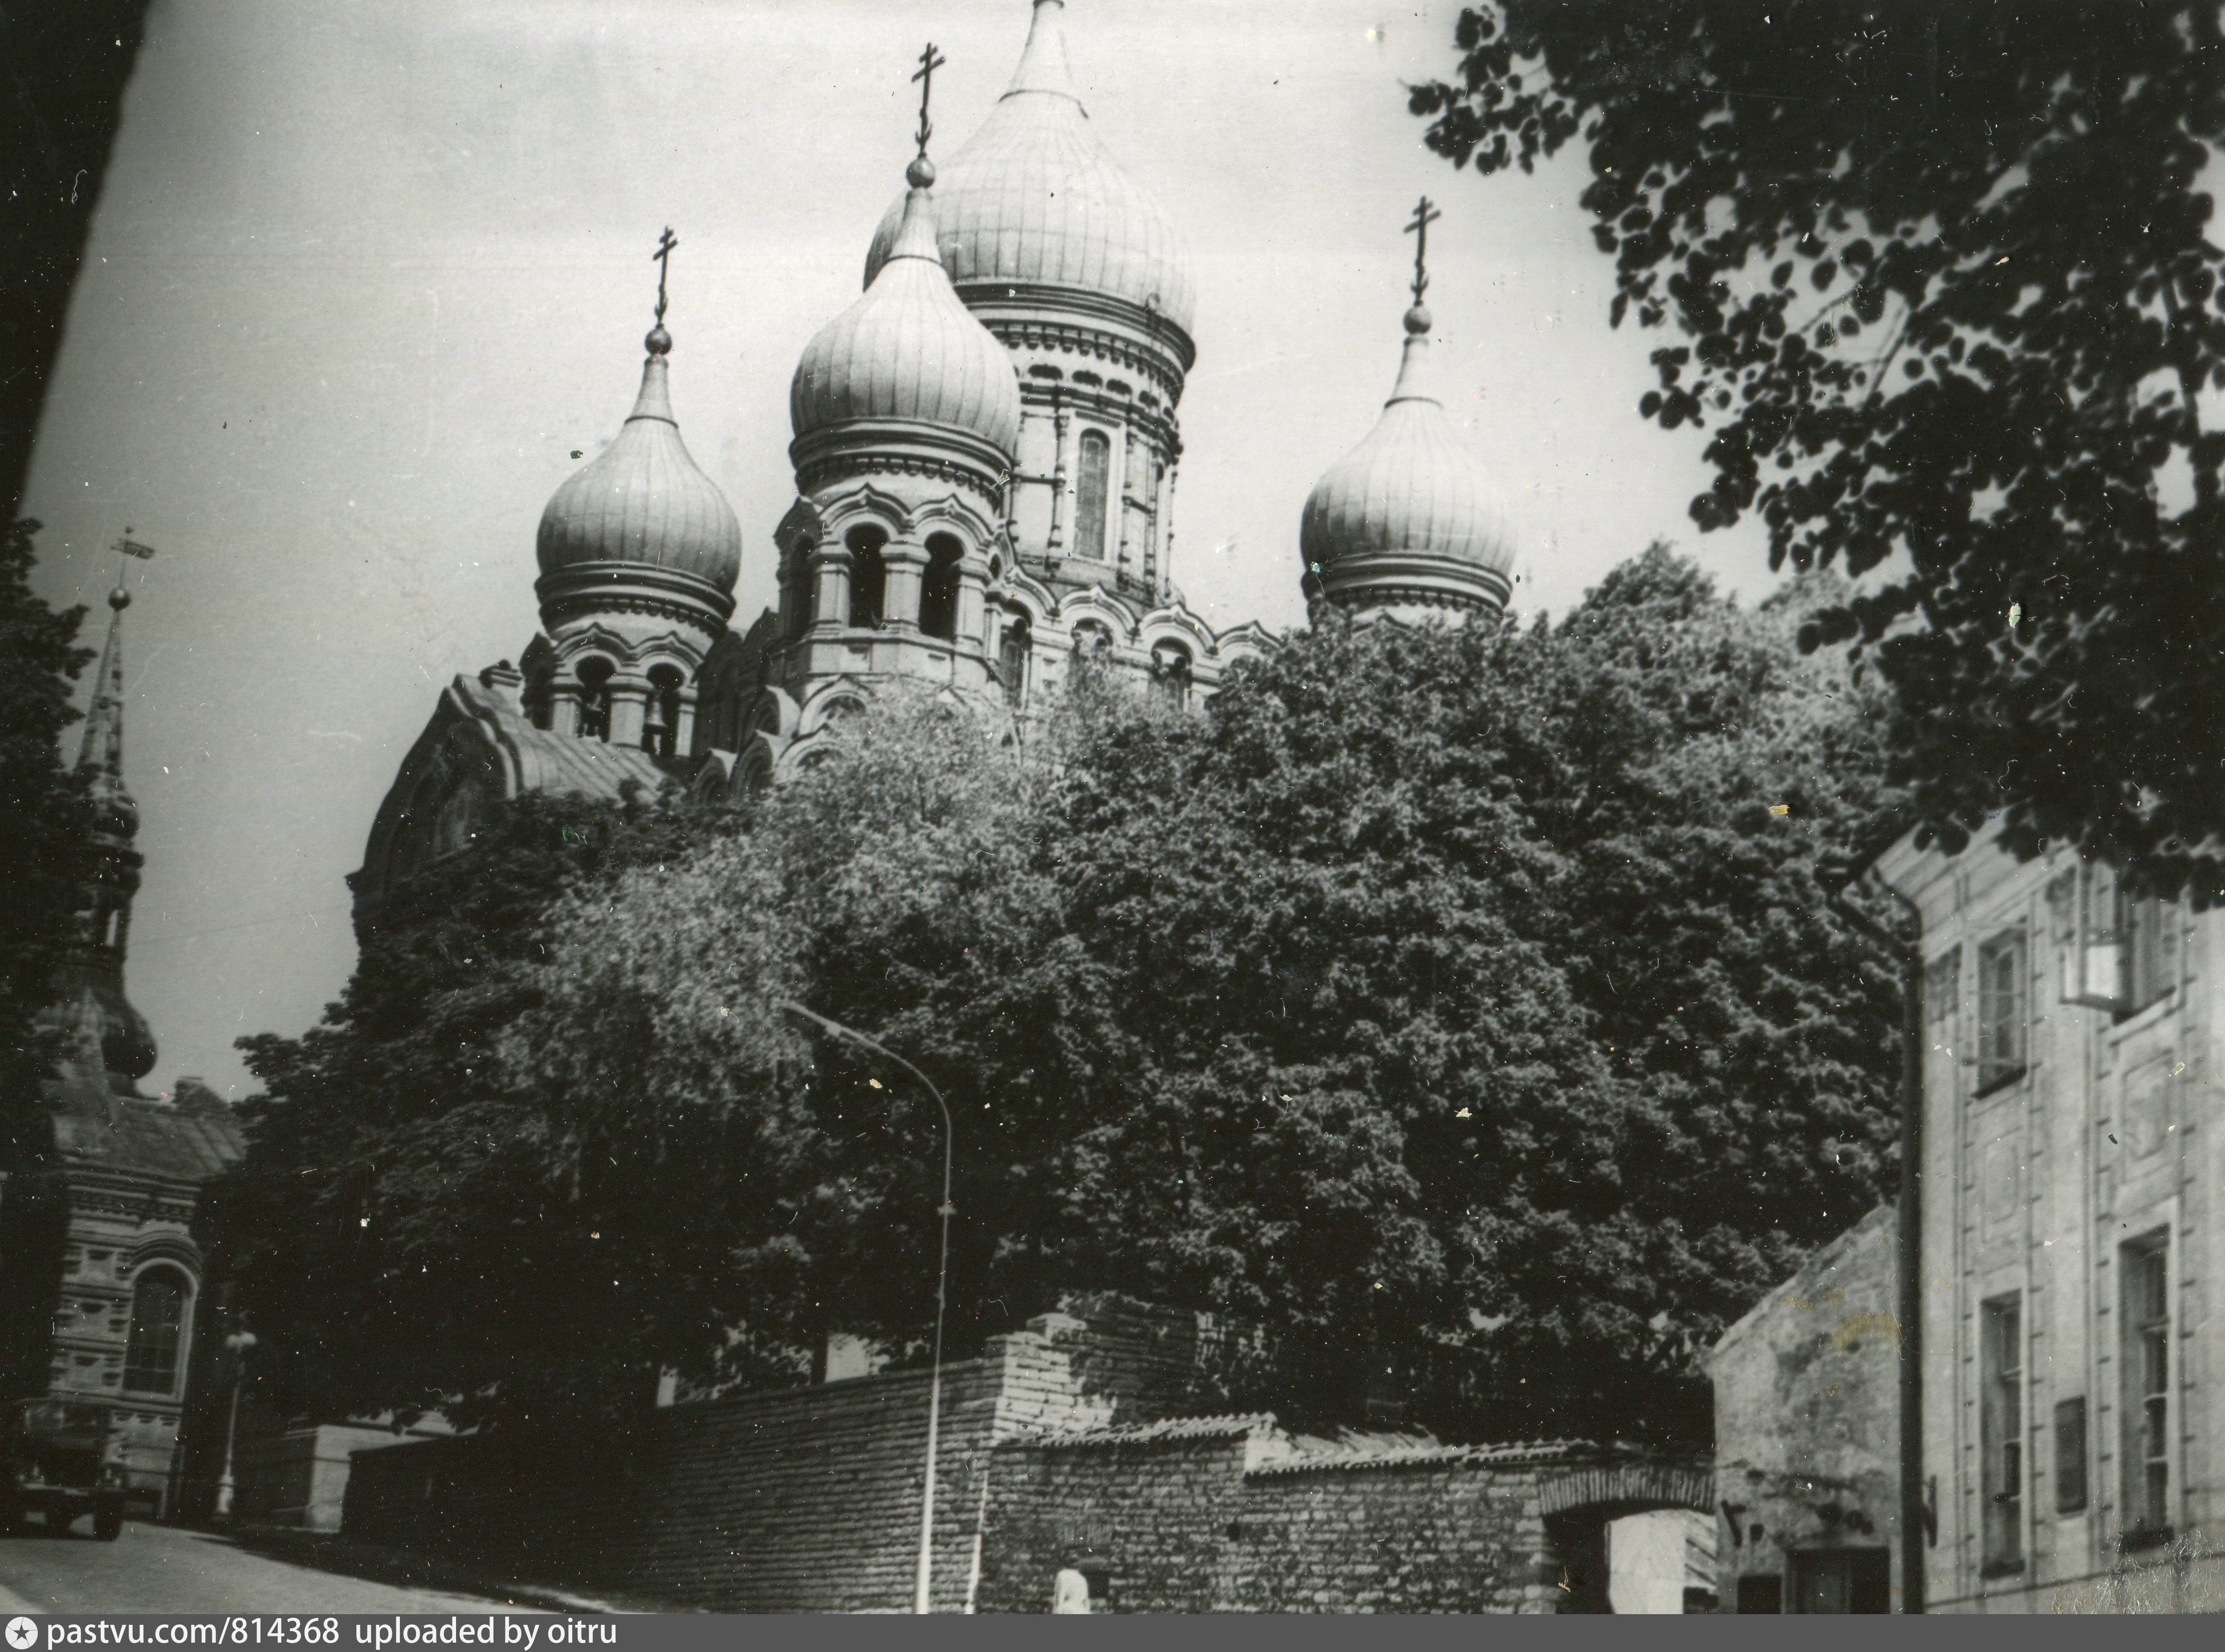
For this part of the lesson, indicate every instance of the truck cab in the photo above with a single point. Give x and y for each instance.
(63, 1459)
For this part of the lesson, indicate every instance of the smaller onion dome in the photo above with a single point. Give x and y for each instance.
(908, 349)
(643, 501)
(1409, 517)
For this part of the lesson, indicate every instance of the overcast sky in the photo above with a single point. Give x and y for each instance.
(363, 277)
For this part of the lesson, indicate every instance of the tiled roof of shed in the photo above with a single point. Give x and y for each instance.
(1228, 1425)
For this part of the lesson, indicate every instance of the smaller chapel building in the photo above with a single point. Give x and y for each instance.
(99, 1270)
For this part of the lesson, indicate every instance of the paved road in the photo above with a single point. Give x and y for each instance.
(165, 1568)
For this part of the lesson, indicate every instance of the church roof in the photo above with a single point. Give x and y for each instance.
(97, 1129)
(908, 349)
(1034, 196)
(642, 500)
(542, 760)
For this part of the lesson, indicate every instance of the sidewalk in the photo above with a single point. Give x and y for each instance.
(330, 1552)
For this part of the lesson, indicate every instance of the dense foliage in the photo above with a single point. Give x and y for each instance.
(47, 823)
(1950, 308)
(48, 827)
(1456, 1005)
(396, 1236)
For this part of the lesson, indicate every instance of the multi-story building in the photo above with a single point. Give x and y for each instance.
(2072, 1248)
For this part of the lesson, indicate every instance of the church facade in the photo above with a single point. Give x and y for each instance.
(985, 450)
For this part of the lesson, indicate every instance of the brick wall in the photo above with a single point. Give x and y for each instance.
(1057, 1447)
(801, 1500)
(1216, 1515)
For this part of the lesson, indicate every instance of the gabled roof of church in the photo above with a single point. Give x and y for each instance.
(479, 733)
(542, 760)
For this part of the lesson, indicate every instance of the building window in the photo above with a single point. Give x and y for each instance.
(2001, 1012)
(2000, 1428)
(1090, 496)
(2147, 1285)
(869, 579)
(158, 1314)
(938, 590)
(1842, 1580)
(1012, 660)
(2147, 937)
(1170, 675)
(2070, 1455)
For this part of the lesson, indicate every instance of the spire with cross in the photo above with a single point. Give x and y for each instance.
(929, 61)
(1425, 213)
(659, 341)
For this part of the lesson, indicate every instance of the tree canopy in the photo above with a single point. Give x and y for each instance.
(49, 832)
(1457, 1003)
(1949, 309)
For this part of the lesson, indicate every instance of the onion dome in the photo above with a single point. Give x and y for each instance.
(1409, 517)
(643, 501)
(908, 350)
(1034, 197)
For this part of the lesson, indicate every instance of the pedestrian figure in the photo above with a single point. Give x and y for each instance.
(1071, 1593)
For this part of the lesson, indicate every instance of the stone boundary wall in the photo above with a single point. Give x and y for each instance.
(798, 1500)
(1058, 1448)
(1189, 1520)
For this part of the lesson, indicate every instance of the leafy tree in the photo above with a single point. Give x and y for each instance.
(1453, 1001)
(1460, 1004)
(48, 828)
(48, 824)
(1950, 308)
(398, 1230)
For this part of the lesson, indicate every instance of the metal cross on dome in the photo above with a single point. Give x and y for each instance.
(1424, 215)
(929, 61)
(665, 244)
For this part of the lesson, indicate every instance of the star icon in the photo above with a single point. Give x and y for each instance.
(22, 1634)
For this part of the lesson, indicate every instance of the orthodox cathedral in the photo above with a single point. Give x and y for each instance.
(985, 450)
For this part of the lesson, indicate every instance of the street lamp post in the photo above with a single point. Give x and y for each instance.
(240, 1342)
(942, 1285)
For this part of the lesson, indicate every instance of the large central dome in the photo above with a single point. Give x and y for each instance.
(1034, 197)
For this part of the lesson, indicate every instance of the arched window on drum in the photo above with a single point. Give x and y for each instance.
(1092, 493)
(938, 590)
(1013, 657)
(1170, 674)
(868, 577)
(158, 1324)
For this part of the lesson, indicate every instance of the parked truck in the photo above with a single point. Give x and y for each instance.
(64, 1458)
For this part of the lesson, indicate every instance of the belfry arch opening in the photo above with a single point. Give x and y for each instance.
(594, 674)
(660, 727)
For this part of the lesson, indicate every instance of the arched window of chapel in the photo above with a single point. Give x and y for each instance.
(158, 1323)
